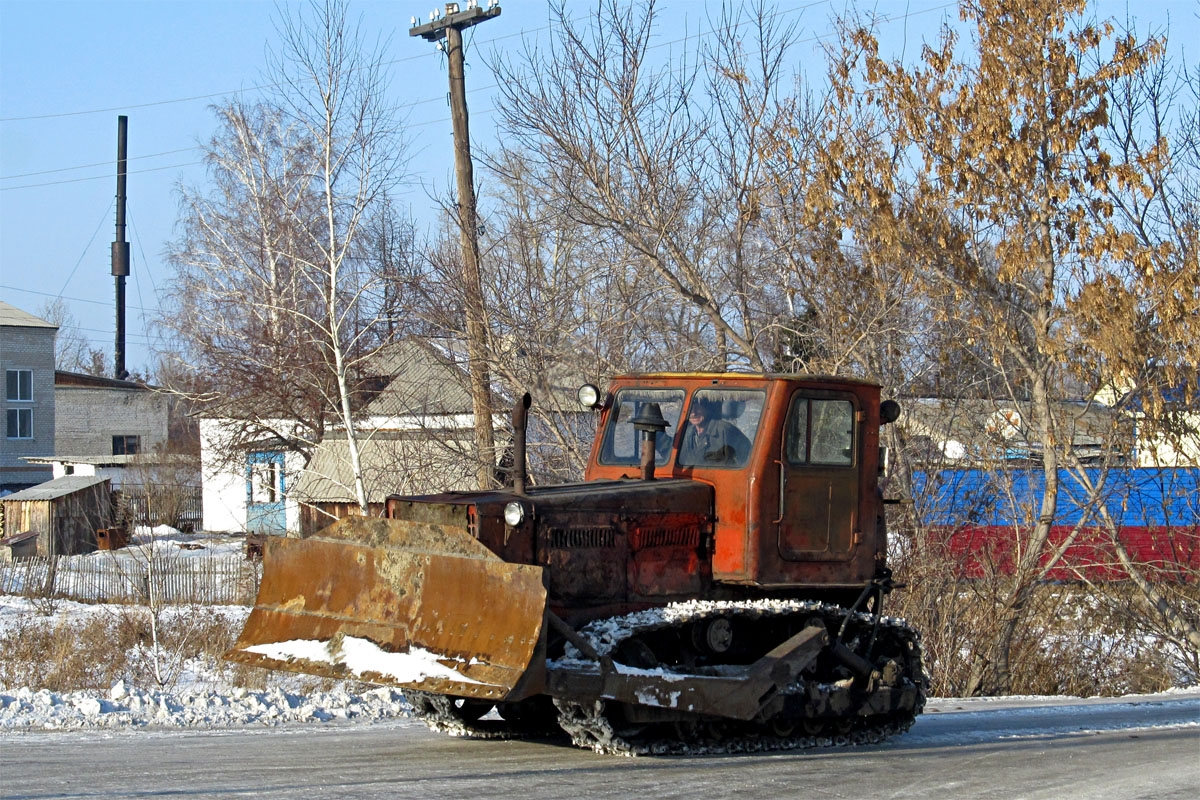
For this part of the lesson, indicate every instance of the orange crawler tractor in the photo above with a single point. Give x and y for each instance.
(716, 583)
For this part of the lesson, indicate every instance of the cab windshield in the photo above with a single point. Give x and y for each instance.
(621, 442)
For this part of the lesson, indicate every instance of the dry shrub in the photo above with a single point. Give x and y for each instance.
(67, 655)
(63, 656)
(1070, 643)
(53, 654)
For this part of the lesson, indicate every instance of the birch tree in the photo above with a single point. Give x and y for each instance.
(279, 245)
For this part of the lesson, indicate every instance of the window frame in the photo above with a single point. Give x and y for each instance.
(125, 438)
(808, 397)
(265, 479)
(18, 371)
(15, 414)
(684, 424)
(606, 440)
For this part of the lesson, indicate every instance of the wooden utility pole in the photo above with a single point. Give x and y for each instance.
(450, 27)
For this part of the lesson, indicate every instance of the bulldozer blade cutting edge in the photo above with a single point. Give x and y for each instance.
(416, 605)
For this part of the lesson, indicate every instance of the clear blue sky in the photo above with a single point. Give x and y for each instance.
(67, 69)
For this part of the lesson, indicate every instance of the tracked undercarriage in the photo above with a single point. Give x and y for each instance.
(864, 683)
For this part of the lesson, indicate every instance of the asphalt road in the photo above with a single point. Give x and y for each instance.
(1143, 748)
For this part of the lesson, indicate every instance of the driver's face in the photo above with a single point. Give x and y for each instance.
(696, 415)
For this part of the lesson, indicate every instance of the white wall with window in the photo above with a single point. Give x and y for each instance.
(232, 483)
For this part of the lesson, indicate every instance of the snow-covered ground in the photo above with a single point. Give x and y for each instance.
(200, 696)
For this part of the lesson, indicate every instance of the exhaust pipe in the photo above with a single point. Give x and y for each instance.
(650, 422)
(520, 418)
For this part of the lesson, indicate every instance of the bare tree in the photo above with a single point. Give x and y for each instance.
(71, 349)
(669, 155)
(276, 255)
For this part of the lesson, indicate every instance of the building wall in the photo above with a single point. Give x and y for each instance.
(88, 418)
(1180, 450)
(33, 349)
(224, 491)
(224, 482)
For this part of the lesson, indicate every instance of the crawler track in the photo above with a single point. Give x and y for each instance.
(461, 717)
(826, 707)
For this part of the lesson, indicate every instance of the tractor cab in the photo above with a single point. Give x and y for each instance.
(793, 461)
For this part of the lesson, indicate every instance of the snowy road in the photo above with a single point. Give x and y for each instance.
(1145, 747)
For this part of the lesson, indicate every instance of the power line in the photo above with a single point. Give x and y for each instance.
(97, 177)
(137, 283)
(65, 297)
(881, 19)
(259, 87)
(98, 164)
(147, 337)
(86, 247)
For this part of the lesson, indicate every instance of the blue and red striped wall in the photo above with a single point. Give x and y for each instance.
(979, 516)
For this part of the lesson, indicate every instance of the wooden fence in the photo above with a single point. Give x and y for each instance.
(224, 579)
(154, 504)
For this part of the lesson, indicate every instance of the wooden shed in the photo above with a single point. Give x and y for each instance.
(65, 513)
(19, 545)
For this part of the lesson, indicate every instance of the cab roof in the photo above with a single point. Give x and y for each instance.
(725, 377)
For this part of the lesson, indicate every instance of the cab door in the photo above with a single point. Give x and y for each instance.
(819, 477)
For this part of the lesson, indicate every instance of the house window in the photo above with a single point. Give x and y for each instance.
(18, 386)
(20, 423)
(127, 445)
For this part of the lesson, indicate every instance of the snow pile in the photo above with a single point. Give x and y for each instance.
(122, 707)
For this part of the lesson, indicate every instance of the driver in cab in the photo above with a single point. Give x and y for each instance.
(710, 440)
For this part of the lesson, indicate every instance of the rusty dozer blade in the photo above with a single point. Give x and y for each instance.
(411, 604)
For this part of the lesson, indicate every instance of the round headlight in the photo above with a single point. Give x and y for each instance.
(589, 396)
(514, 513)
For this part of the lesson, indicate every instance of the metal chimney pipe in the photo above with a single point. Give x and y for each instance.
(120, 249)
(520, 419)
(649, 423)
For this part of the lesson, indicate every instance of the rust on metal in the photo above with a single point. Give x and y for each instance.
(398, 586)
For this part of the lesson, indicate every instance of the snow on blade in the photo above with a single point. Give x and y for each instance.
(362, 656)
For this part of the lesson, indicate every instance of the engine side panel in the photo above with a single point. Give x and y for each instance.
(606, 547)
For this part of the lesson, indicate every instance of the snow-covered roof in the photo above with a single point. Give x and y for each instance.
(79, 380)
(141, 459)
(972, 421)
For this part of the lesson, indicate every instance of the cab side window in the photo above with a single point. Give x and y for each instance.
(820, 432)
